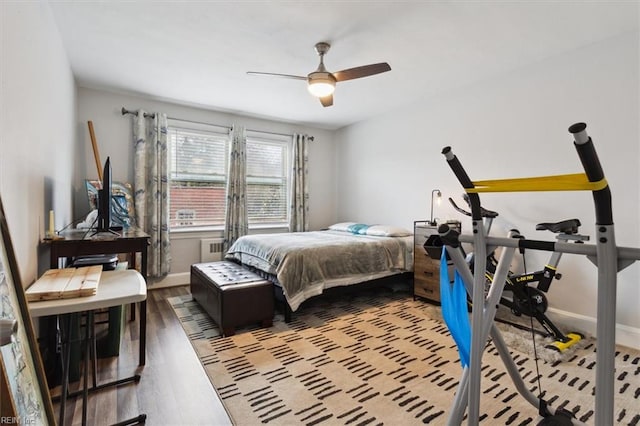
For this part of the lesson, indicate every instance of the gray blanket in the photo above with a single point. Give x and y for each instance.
(305, 263)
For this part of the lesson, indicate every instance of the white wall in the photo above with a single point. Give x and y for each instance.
(514, 125)
(114, 137)
(37, 136)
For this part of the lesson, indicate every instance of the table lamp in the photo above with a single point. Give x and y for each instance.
(438, 195)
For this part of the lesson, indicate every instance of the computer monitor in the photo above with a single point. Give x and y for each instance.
(104, 200)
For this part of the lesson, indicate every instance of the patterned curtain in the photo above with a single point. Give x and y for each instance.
(299, 208)
(151, 188)
(236, 220)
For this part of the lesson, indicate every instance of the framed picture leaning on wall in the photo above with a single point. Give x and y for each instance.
(122, 204)
(28, 400)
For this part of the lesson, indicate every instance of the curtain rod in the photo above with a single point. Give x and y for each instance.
(146, 115)
(126, 111)
(275, 133)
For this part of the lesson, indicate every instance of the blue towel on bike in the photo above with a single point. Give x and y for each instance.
(453, 298)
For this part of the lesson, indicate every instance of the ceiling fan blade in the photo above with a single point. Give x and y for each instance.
(363, 71)
(271, 74)
(326, 101)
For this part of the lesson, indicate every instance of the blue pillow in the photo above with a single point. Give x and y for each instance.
(358, 228)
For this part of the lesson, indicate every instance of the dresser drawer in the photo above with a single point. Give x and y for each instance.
(429, 289)
(426, 271)
(424, 266)
(421, 233)
(426, 275)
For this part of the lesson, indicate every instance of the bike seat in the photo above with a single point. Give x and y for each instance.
(483, 212)
(569, 226)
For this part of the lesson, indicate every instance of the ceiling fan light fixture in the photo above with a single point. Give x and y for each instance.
(320, 90)
(321, 84)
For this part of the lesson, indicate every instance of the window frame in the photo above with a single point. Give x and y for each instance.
(220, 133)
(252, 136)
(286, 141)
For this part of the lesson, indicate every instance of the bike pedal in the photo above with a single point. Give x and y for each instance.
(572, 339)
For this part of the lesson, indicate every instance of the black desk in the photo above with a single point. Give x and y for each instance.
(80, 242)
(77, 242)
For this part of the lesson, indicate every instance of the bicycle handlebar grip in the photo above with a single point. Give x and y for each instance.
(593, 169)
(449, 236)
(463, 178)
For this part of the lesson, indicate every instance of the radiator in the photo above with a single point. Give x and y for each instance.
(211, 250)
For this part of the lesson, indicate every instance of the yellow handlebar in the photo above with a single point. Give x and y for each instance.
(570, 182)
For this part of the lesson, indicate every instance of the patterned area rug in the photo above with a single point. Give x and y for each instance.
(382, 358)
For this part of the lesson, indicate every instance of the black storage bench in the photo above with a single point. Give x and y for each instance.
(232, 295)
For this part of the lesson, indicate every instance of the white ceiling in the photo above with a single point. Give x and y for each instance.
(197, 53)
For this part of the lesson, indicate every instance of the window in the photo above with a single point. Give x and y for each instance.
(267, 179)
(198, 176)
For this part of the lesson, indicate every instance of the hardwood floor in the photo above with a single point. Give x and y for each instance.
(173, 389)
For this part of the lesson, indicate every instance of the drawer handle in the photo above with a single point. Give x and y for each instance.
(429, 273)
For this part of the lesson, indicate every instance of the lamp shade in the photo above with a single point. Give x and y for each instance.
(321, 84)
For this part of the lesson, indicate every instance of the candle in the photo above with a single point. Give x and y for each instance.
(52, 230)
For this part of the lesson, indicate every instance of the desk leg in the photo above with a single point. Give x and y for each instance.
(65, 326)
(143, 267)
(132, 308)
(133, 266)
(88, 359)
(87, 362)
(143, 332)
(94, 351)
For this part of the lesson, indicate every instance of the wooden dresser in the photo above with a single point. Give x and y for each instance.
(426, 271)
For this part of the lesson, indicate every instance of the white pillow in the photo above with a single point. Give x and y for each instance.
(387, 231)
(342, 226)
(351, 227)
(372, 230)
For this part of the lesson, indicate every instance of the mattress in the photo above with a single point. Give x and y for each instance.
(306, 263)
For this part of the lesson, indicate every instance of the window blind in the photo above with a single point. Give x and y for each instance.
(198, 174)
(267, 181)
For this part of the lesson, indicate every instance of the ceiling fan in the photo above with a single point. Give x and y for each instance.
(322, 83)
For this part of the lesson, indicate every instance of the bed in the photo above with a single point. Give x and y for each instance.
(304, 264)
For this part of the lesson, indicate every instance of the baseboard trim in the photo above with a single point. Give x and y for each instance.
(625, 335)
(171, 280)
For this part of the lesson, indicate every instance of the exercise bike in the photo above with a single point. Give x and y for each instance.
(526, 299)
